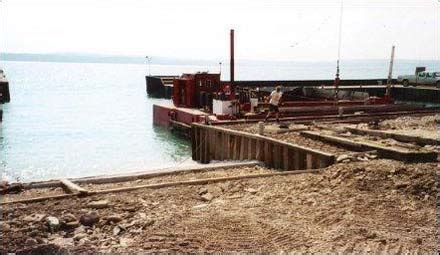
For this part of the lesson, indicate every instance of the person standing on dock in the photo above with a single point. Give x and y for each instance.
(274, 102)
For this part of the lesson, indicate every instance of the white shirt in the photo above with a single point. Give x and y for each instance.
(275, 97)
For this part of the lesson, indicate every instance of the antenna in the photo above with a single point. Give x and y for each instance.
(390, 72)
(1, 1)
(149, 66)
(337, 79)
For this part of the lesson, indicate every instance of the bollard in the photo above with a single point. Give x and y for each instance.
(340, 112)
(261, 128)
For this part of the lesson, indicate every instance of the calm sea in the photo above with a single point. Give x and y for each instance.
(81, 119)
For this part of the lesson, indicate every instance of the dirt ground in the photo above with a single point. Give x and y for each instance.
(380, 205)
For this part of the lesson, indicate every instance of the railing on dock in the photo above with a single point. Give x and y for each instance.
(216, 143)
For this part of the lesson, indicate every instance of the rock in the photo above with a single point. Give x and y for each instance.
(80, 230)
(71, 225)
(116, 230)
(83, 241)
(346, 134)
(52, 223)
(203, 191)
(89, 219)
(98, 204)
(371, 156)
(224, 186)
(251, 190)
(5, 226)
(68, 217)
(40, 240)
(34, 218)
(343, 157)
(206, 197)
(63, 242)
(114, 218)
(149, 222)
(124, 242)
(143, 215)
(399, 185)
(371, 236)
(30, 242)
(196, 207)
(360, 158)
(79, 236)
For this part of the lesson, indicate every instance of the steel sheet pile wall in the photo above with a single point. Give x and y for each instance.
(216, 143)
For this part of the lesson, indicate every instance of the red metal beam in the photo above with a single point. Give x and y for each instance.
(232, 65)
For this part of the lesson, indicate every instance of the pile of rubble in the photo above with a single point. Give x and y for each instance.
(429, 123)
(356, 157)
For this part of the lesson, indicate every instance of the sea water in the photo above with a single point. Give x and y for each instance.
(82, 119)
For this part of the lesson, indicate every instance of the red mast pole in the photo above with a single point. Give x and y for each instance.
(232, 65)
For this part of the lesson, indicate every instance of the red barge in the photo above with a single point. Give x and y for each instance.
(202, 97)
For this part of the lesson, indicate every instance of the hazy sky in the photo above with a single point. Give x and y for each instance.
(199, 29)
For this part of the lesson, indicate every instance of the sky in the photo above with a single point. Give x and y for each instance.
(199, 29)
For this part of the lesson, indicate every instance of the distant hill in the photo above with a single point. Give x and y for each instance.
(98, 58)
(367, 64)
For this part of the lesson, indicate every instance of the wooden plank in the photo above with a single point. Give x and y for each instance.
(251, 149)
(391, 152)
(259, 155)
(270, 152)
(167, 184)
(101, 179)
(196, 142)
(296, 162)
(334, 140)
(286, 160)
(231, 146)
(221, 145)
(309, 161)
(71, 187)
(315, 161)
(302, 160)
(193, 144)
(226, 146)
(206, 156)
(324, 162)
(267, 154)
(212, 146)
(202, 144)
(203, 148)
(276, 156)
(243, 148)
(399, 137)
(236, 147)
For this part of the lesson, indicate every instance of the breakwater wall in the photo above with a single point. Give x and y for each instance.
(216, 143)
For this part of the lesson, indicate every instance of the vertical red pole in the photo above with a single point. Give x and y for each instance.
(232, 65)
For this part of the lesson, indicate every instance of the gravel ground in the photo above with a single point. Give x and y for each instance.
(381, 205)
